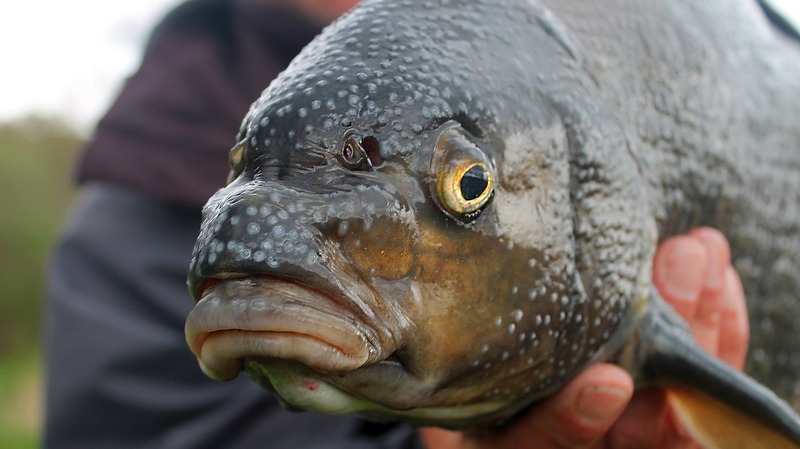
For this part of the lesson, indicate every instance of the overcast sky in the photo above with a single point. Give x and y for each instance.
(68, 57)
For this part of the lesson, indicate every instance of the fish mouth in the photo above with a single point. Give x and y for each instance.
(302, 389)
(266, 317)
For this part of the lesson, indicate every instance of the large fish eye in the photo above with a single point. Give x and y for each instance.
(236, 161)
(464, 177)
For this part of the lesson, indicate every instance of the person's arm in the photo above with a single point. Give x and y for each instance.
(599, 408)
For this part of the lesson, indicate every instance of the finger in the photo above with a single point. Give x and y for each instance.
(734, 331)
(642, 424)
(586, 409)
(719, 253)
(436, 438)
(675, 434)
(679, 273)
(577, 417)
(649, 422)
(707, 320)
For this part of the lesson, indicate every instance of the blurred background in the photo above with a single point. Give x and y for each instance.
(62, 65)
(63, 62)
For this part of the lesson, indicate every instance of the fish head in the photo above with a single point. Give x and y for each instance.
(398, 237)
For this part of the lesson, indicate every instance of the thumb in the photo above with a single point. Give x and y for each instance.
(577, 417)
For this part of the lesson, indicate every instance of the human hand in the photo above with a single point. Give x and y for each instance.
(599, 409)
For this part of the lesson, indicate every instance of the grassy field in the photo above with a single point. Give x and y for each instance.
(36, 159)
(20, 400)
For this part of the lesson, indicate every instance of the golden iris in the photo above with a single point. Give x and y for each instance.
(467, 189)
(465, 181)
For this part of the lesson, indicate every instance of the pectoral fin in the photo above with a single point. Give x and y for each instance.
(722, 407)
(716, 425)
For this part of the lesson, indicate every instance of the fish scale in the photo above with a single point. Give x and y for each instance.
(599, 128)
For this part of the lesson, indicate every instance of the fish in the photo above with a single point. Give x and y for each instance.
(442, 211)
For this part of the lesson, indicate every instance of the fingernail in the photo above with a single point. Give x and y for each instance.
(718, 257)
(683, 280)
(715, 276)
(601, 403)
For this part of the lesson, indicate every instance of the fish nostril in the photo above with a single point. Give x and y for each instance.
(373, 149)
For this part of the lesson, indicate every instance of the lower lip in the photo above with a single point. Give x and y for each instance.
(244, 318)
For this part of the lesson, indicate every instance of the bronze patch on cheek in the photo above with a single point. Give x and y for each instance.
(385, 250)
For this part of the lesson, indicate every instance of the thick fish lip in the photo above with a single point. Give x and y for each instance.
(267, 317)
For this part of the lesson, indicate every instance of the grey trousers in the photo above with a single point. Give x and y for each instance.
(118, 371)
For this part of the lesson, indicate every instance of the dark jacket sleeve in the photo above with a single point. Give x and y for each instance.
(119, 372)
(169, 131)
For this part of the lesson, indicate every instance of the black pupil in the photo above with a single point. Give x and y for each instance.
(474, 182)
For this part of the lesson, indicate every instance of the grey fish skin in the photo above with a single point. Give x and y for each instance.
(603, 126)
(711, 102)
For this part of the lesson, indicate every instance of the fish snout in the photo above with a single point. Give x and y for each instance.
(251, 235)
(268, 259)
(261, 228)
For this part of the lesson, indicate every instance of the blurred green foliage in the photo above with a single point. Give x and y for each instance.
(20, 400)
(36, 159)
(37, 156)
